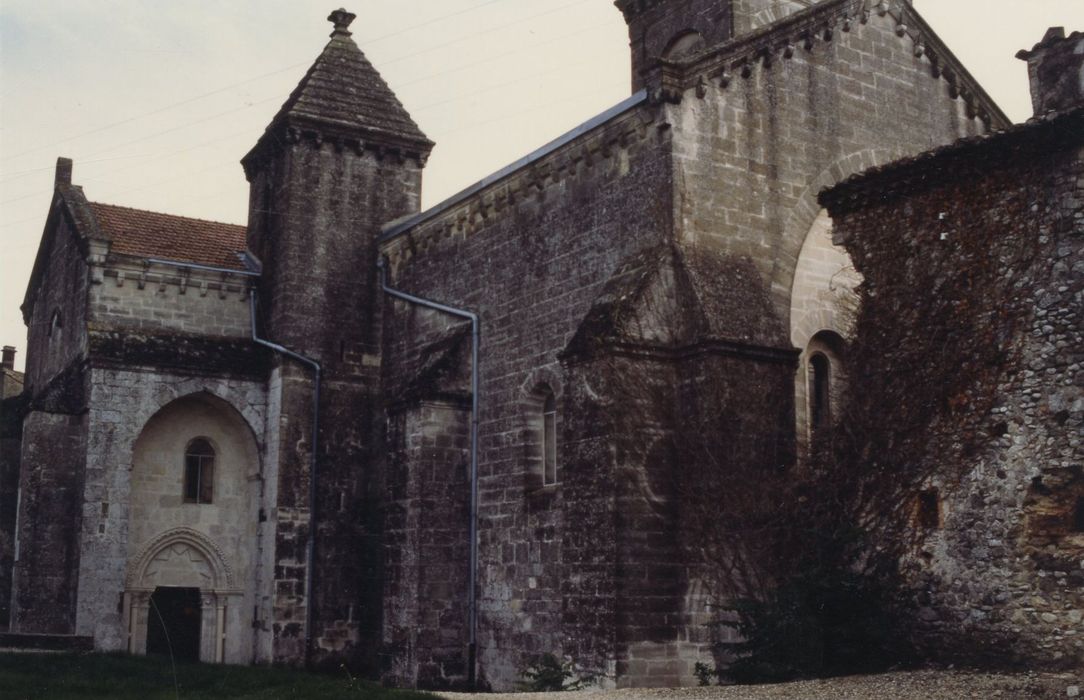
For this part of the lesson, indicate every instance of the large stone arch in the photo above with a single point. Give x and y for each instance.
(800, 221)
(823, 296)
(231, 394)
(175, 541)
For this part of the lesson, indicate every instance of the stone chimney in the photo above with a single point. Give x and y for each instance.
(63, 171)
(1056, 71)
(7, 359)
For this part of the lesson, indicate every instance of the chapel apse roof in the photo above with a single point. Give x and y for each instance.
(148, 234)
(342, 90)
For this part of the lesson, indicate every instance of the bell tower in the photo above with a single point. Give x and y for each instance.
(674, 29)
(341, 158)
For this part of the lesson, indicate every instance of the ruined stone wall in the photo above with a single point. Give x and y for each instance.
(756, 143)
(968, 354)
(529, 255)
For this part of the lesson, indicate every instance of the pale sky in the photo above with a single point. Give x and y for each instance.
(157, 102)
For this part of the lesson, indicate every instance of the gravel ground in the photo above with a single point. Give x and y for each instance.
(919, 685)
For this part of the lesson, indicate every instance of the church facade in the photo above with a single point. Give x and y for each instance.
(437, 443)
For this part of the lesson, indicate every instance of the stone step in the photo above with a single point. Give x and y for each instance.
(45, 642)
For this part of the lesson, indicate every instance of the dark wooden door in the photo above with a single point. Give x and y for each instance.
(173, 624)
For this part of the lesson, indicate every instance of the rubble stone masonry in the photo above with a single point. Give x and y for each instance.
(980, 251)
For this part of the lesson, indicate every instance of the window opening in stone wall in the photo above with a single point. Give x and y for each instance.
(199, 472)
(684, 44)
(549, 440)
(819, 392)
(1078, 515)
(929, 509)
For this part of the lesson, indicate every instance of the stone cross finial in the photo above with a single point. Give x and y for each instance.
(341, 19)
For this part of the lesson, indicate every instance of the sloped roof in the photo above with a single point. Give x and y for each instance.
(435, 365)
(343, 89)
(932, 168)
(680, 296)
(148, 234)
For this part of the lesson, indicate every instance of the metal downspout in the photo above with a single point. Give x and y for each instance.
(472, 596)
(310, 598)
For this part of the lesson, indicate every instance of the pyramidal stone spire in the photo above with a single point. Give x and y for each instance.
(343, 98)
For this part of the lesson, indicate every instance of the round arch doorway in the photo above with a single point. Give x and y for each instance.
(192, 537)
(181, 599)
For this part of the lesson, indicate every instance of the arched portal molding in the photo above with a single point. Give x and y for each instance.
(182, 542)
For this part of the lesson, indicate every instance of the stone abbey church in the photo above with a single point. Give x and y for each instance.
(356, 431)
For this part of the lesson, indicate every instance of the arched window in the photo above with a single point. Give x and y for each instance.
(820, 394)
(549, 439)
(684, 44)
(199, 471)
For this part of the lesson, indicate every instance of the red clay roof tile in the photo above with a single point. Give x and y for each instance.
(149, 234)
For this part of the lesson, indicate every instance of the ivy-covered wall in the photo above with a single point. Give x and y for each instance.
(969, 367)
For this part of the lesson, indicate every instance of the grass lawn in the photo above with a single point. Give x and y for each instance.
(122, 677)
